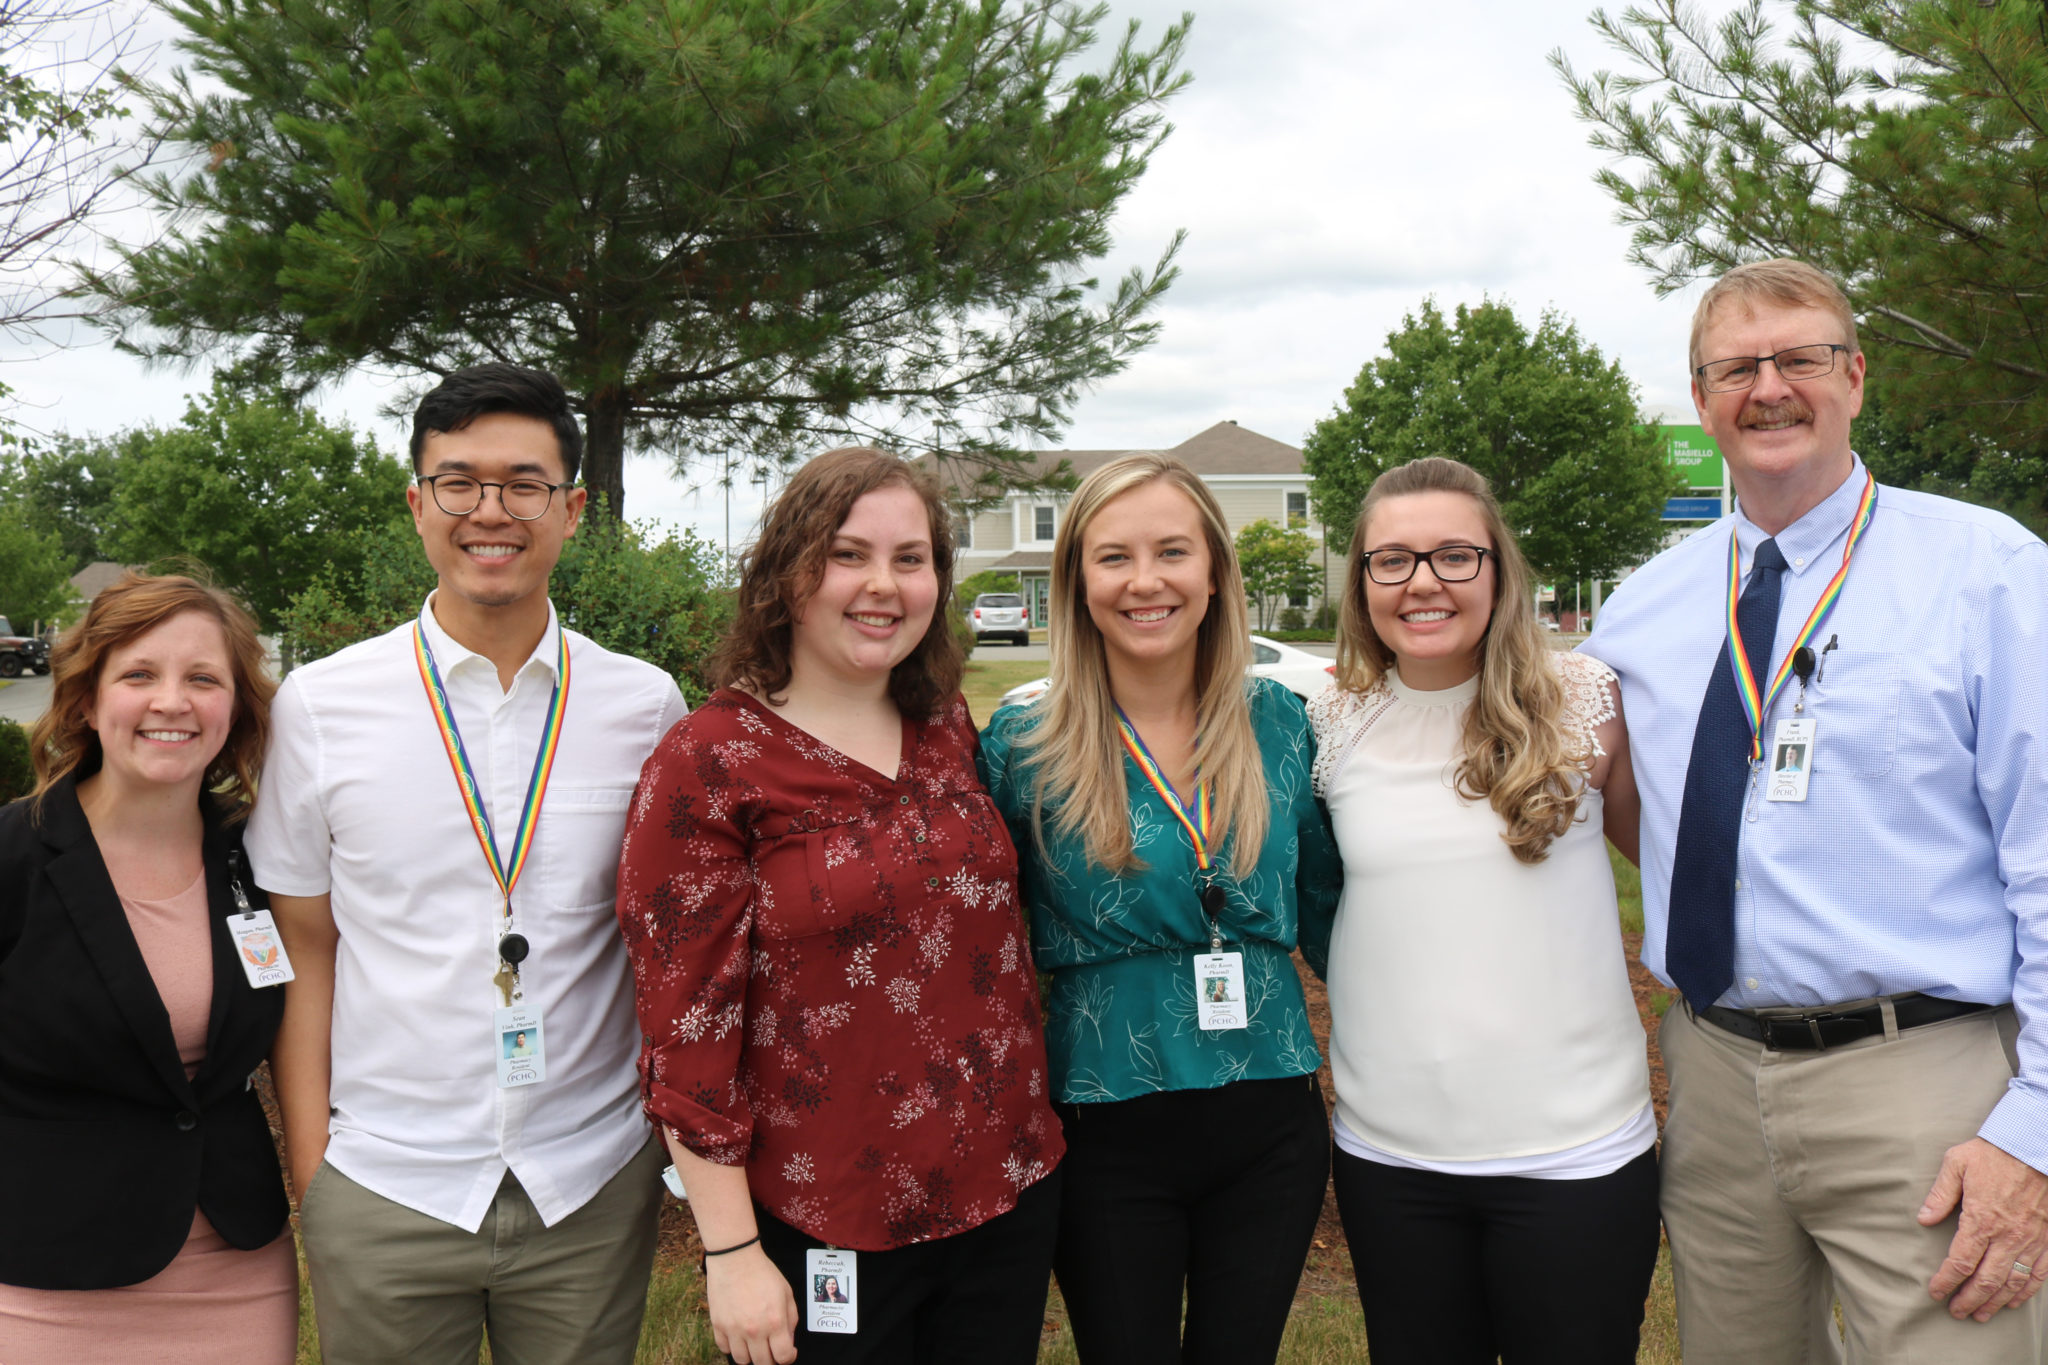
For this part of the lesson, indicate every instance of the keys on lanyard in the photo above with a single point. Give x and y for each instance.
(519, 1049)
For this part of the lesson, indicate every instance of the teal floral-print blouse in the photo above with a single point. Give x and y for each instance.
(1122, 1019)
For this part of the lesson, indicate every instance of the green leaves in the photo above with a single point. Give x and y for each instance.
(1549, 421)
(1897, 144)
(264, 494)
(1277, 564)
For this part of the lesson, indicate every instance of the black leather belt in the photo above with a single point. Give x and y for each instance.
(1819, 1030)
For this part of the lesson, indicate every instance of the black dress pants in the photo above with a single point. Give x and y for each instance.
(1211, 1193)
(978, 1295)
(1467, 1270)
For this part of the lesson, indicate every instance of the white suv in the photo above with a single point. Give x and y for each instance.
(1000, 613)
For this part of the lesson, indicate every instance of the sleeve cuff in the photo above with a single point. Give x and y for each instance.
(2018, 1126)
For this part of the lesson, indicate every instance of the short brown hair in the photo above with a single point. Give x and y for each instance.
(787, 561)
(1783, 281)
(62, 743)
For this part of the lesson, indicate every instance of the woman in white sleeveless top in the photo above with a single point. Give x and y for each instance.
(1495, 1168)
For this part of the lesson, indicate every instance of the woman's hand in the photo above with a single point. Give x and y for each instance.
(753, 1312)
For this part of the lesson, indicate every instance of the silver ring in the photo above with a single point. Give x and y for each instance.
(2023, 1269)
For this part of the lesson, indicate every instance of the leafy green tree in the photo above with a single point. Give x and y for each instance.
(263, 493)
(1935, 453)
(729, 225)
(665, 600)
(35, 578)
(64, 487)
(1896, 144)
(1277, 564)
(1550, 421)
(988, 580)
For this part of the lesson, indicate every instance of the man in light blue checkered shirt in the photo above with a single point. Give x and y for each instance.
(1862, 1113)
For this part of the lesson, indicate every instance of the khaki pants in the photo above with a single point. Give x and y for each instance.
(392, 1286)
(1793, 1178)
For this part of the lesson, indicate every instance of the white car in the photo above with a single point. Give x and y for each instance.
(1300, 672)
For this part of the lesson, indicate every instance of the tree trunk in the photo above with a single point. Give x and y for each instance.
(604, 452)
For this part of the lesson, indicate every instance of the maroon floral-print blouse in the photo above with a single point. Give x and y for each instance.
(831, 975)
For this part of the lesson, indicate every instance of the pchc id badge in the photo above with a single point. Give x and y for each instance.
(1219, 991)
(259, 949)
(522, 1047)
(832, 1292)
(1791, 760)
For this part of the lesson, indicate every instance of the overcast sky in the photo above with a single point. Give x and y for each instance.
(1334, 162)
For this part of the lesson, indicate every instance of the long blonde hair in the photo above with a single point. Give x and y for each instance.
(1517, 754)
(1072, 742)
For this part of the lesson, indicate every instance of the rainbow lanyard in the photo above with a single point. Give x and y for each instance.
(1196, 821)
(1756, 703)
(507, 869)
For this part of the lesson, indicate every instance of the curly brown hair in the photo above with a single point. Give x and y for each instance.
(62, 743)
(787, 561)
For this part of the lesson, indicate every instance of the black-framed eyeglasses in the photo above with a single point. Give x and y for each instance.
(523, 499)
(1450, 564)
(1796, 364)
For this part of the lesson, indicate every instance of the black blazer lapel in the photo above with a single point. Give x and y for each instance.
(80, 878)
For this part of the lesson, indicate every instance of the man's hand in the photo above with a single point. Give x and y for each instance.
(1999, 1255)
(753, 1312)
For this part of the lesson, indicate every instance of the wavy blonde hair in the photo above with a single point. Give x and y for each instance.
(1072, 742)
(1517, 754)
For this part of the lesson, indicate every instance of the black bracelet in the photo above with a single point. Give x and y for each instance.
(737, 1246)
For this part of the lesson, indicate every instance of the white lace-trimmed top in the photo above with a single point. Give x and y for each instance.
(1481, 1016)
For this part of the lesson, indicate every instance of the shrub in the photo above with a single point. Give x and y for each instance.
(17, 774)
(1293, 618)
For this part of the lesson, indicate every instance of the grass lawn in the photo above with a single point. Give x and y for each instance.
(986, 682)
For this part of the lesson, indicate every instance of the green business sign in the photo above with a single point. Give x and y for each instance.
(1694, 454)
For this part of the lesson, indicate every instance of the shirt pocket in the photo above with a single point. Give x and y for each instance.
(1855, 710)
(583, 829)
(816, 882)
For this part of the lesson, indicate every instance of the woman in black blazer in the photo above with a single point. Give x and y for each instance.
(135, 1160)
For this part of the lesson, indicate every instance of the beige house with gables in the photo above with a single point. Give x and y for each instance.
(1252, 476)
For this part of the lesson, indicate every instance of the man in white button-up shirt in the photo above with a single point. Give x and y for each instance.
(466, 1142)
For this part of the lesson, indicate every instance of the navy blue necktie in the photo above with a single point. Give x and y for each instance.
(1700, 948)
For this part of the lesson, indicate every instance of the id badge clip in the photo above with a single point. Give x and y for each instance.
(1219, 976)
(521, 1046)
(831, 1291)
(258, 947)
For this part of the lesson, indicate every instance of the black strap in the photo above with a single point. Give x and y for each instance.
(1819, 1030)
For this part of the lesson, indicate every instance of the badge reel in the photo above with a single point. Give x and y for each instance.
(257, 945)
(831, 1291)
(1219, 976)
(521, 1046)
(1789, 764)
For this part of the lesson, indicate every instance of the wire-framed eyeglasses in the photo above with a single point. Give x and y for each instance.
(523, 499)
(1449, 563)
(1796, 364)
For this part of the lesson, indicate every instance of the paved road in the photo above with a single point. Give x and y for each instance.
(24, 698)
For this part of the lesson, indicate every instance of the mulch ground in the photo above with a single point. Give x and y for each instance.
(1329, 1261)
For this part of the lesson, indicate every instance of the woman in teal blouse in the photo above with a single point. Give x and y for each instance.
(1173, 854)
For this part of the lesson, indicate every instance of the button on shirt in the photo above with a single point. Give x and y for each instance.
(358, 802)
(1919, 860)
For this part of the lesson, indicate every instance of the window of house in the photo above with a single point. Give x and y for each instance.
(1297, 511)
(1041, 523)
(963, 532)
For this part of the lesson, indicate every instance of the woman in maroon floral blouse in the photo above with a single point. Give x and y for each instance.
(840, 1022)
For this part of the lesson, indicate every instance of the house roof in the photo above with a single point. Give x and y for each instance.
(97, 576)
(1228, 448)
(1225, 448)
(1038, 561)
